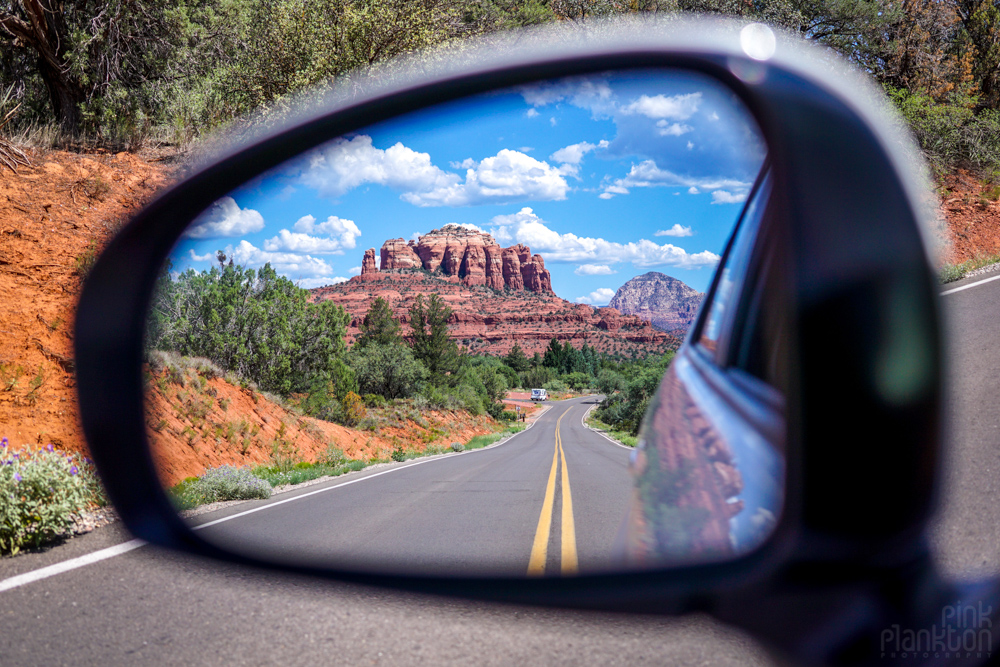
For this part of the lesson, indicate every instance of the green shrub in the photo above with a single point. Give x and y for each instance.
(951, 134)
(223, 483)
(354, 409)
(40, 492)
(554, 386)
(374, 401)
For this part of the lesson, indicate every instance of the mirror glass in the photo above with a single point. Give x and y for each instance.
(428, 345)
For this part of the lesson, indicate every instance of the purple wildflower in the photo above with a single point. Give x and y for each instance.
(73, 470)
(4, 443)
(17, 477)
(49, 448)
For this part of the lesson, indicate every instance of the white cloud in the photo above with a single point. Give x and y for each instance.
(571, 156)
(340, 234)
(676, 107)
(526, 227)
(598, 297)
(225, 218)
(586, 93)
(665, 129)
(531, 113)
(508, 176)
(207, 257)
(724, 197)
(713, 116)
(647, 175)
(553, 121)
(693, 190)
(310, 283)
(676, 230)
(344, 164)
(293, 265)
(354, 271)
(594, 270)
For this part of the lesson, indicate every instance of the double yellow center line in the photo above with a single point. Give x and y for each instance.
(540, 547)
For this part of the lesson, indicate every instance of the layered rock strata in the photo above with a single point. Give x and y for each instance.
(473, 256)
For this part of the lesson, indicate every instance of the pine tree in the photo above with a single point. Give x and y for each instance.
(516, 359)
(379, 326)
(431, 343)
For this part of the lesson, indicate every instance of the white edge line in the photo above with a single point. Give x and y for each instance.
(125, 547)
(67, 565)
(963, 287)
(583, 422)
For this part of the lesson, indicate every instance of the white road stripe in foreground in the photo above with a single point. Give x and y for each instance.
(71, 564)
(978, 282)
(125, 547)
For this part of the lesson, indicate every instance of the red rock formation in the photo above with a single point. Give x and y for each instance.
(368, 263)
(368, 270)
(452, 261)
(536, 278)
(471, 255)
(512, 270)
(473, 268)
(398, 254)
(494, 267)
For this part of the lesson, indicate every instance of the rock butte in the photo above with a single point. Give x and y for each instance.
(498, 296)
(667, 303)
(471, 255)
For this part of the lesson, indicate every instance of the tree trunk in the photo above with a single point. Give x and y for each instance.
(65, 96)
(40, 27)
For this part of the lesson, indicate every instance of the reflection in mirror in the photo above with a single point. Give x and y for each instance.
(464, 396)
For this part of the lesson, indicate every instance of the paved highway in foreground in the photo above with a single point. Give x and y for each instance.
(152, 607)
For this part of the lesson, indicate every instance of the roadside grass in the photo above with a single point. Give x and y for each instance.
(189, 493)
(953, 272)
(624, 437)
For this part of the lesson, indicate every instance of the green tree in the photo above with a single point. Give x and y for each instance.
(387, 370)
(379, 326)
(256, 323)
(553, 355)
(111, 68)
(577, 381)
(516, 359)
(431, 343)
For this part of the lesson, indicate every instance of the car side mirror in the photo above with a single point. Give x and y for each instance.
(828, 344)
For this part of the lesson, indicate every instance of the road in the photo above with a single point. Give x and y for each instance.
(550, 499)
(152, 607)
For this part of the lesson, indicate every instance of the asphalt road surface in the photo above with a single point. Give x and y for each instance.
(147, 606)
(548, 500)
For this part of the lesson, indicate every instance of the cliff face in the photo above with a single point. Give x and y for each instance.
(665, 302)
(474, 257)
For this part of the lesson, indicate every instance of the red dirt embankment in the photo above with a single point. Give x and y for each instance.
(50, 214)
(973, 217)
(198, 421)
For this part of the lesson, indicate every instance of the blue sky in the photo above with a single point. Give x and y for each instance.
(607, 177)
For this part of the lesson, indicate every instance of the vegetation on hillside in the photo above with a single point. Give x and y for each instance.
(117, 73)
